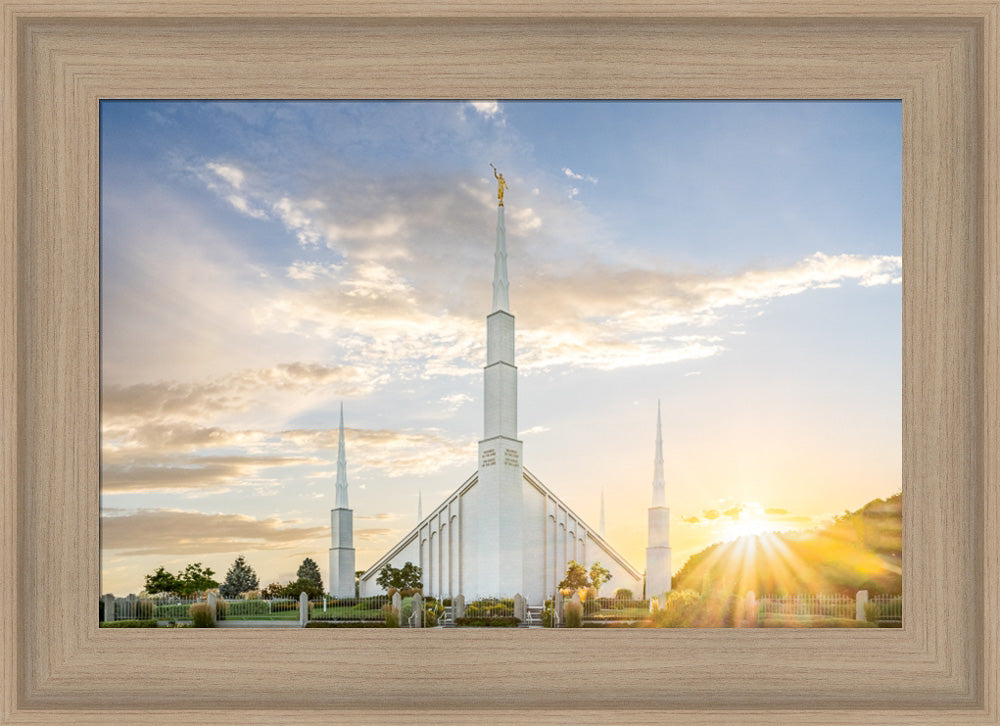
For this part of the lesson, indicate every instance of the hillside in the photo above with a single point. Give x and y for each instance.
(860, 550)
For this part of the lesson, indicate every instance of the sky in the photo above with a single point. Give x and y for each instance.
(264, 262)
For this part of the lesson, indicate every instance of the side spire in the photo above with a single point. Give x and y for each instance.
(341, 499)
(659, 487)
(420, 506)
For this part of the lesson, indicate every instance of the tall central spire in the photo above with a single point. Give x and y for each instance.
(341, 499)
(499, 555)
(501, 286)
(659, 487)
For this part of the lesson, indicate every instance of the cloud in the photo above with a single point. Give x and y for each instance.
(173, 532)
(232, 175)
(382, 299)
(711, 514)
(374, 534)
(486, 109)
(734, 512)
(535, 430)
(691, 520)
(233, 392)
(579, 177)
(193, 473)
(775, 510)
(453, 402)
(394, 453)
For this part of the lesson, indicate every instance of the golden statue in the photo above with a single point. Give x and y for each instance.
(501, 185)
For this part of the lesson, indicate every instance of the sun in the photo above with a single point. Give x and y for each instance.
(747, 524)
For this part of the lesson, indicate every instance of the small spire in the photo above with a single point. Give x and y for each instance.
(341, 498)
(659, 487)
(420, 506)
(602, 514)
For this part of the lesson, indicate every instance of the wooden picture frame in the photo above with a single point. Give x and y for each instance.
(60, 58)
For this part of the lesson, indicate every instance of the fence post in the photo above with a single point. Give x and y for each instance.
(458, 607)
(109, 608)
(212, 605)
(751, 608)
(519, 607)
(859, 608)
(303, 609)
(397, 607)
(418, 610)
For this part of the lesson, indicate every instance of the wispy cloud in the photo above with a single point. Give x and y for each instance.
(393, 453)
(172, 532)
(193, 473)
(486, 109)
(579, 177)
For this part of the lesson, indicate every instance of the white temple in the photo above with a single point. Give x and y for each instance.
(502, 532)
(341, 529)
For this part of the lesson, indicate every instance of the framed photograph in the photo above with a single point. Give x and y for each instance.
(272, 268)
(62, 62)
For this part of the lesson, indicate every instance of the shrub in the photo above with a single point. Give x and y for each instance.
(573, 612)
(392, 619)
(144, 609)
(221, 609)
(130, 624)
(172, 612)
(487, 622)
(201, 615)
(623, 593)
(244, 608)
(548, 615)
(681, 609)
(432, 613)
(328, 624)
(872, 612)
(284, 606)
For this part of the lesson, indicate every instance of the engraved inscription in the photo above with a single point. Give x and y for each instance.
(489, 457)
(510, 457)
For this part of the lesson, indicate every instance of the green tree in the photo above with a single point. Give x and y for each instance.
(598, 575)
(303, 584)
(162, 581)
(576, 577)
(309, 570)
(195, 579)
(407, 576)
(272, 591)
(240, 578)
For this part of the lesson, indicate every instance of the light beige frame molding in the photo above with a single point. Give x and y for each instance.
(59, 58)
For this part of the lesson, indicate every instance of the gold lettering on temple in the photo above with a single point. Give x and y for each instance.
(489, 457)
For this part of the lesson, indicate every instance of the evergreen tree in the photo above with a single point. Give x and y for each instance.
(239, 579)
(309, 570)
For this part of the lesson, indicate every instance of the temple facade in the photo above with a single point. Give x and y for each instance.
(503, 531)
